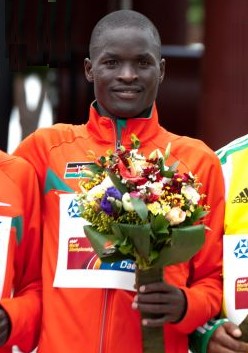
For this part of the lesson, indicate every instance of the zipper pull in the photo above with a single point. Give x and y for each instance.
(118, 145)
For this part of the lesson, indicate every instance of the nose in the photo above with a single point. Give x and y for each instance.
(127, 72)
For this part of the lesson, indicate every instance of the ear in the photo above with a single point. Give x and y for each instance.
(88, 70)
(162, 70)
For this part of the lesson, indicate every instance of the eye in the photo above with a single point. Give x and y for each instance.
(144, 62)
(111, 63)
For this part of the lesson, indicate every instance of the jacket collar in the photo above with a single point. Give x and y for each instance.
(107, 130)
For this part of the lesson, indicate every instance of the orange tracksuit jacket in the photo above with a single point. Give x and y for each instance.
(20, 252)
(101, 320)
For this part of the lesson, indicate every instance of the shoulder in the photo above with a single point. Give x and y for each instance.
(53, 136)
(234, 147)
(193, 150)
(59, 131)
(192, 154)
(17, 171)
(12, 162)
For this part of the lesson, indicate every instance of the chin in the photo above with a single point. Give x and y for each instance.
(126, 113)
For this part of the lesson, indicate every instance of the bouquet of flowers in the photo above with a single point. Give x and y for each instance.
(141, 209)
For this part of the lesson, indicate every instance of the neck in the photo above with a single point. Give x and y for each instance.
(103, 112)
(145, 114)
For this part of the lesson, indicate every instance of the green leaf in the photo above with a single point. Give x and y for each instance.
(135, 141)
(199, 213)
(126, 248)
(117, 183)
(160, 224)
(139, 235)
(186, 242)
(98, 241)
(167, 174)
(140, 207)
(117, 232)
(102, 160)
(153, 256)
(161, 166)
(95, 168)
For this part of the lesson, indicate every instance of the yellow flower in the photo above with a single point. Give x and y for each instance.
(155, 208)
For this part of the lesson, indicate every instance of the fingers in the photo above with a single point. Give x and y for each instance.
(232, 329)
(155, 322)
(222, 340)
(153, 304)
(3, 336)
(156, 287)
(4, 327)
(153, 314)
(160, 303)
(235, 347)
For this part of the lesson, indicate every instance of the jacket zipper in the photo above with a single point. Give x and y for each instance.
(118, 144)
(106, 291)
(117, 138)
(118, 126)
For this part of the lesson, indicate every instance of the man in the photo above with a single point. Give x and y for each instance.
(221, 336)
(20, 255)
(88, 308)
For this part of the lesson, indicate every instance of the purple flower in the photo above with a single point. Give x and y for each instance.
(113, 192)
(106, 206)
(108, 201)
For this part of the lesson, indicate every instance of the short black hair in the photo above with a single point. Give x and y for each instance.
(123, 19)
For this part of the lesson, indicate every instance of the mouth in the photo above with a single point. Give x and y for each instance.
(127, 92)
(127, 88)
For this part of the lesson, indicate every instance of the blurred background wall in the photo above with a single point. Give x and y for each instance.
(205, 45)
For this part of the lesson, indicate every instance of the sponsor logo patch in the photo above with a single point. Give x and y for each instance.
(241, 249)
(241, 293)
(73, 209)
(242, 197)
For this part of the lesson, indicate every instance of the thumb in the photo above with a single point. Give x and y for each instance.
(232, 329)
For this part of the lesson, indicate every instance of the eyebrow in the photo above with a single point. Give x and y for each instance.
(113, 55)
(139, 56)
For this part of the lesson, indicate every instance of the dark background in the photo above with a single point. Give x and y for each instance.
(204, 94)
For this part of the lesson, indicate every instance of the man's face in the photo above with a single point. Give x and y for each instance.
(126, 71)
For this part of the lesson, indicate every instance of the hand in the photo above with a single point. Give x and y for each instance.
(163, 299)
(224, 340)
(4, 327)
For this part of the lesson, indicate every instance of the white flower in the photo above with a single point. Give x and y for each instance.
(136, 155)
(98, 190)
(156, 154)
(190, 193)
(166, 180)
(106, 183)
(137, 162)
(155, 188)
(126, 202)
(175, 216)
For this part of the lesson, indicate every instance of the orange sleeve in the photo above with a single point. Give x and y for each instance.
(204, 290)
(24, 309)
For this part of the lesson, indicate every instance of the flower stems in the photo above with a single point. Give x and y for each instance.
(153, 340)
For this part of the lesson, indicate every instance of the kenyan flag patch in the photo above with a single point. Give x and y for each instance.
(75, 170)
